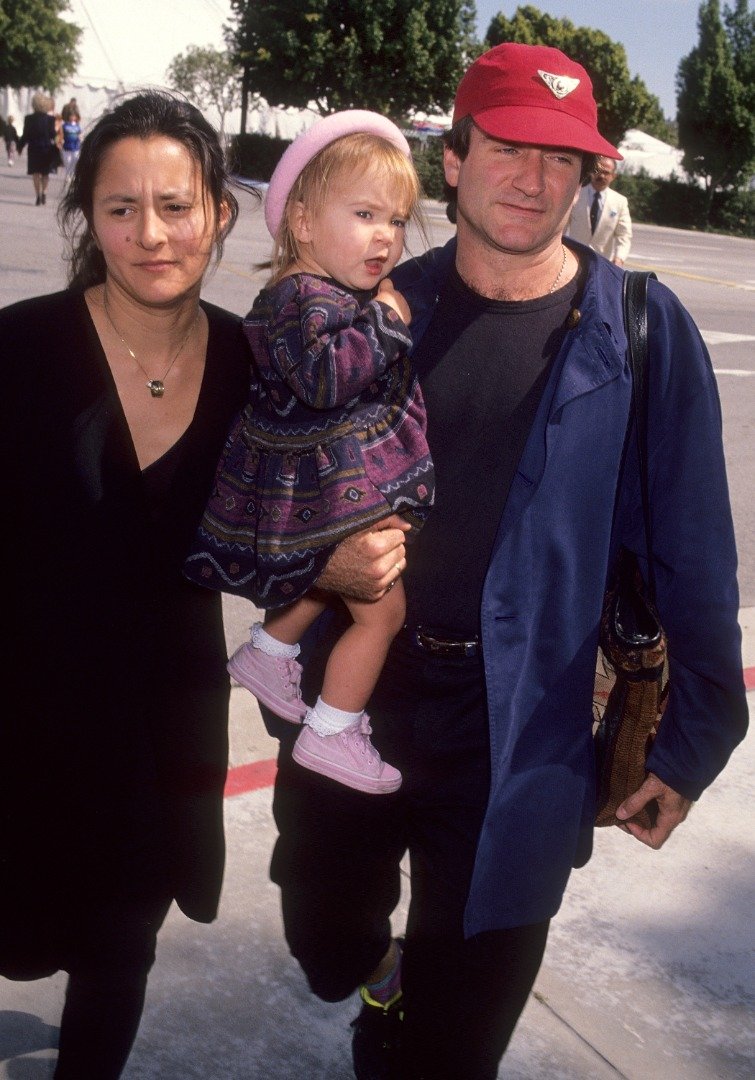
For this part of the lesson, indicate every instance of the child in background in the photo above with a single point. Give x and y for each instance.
(71, 141)
(333, 438)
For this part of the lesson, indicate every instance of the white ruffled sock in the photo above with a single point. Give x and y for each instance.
(327, 720)
(271, 646)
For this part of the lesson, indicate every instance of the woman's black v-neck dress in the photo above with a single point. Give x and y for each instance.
(113, 731)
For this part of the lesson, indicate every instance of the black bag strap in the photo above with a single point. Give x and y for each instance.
(634, 296)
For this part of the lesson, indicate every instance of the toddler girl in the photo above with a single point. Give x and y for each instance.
(332, 440)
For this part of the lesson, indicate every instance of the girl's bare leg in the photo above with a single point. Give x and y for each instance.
(357, 659)
(288, 624)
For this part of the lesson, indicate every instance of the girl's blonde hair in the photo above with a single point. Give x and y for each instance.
(357, 154)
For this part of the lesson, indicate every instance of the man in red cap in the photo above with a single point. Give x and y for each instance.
(485, 700)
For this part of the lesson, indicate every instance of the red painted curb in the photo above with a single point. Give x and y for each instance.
(258, 774)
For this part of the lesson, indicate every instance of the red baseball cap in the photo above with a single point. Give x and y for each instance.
(532, 94)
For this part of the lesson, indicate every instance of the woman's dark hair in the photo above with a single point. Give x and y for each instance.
(146, 114)
(457, 139)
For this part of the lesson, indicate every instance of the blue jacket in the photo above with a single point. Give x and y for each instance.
(544, 587)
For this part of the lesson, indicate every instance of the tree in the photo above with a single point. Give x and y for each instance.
(208, 78)
(715, 108)
(37, 47)
(392, 56)
(740, 30)
(623, 102)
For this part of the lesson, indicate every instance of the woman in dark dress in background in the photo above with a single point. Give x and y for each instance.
(117, 394)
(39, 136)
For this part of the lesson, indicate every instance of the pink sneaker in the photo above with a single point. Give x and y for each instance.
(274, 680)
(348, 757)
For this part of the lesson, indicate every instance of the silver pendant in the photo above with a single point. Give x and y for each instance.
(155, 388)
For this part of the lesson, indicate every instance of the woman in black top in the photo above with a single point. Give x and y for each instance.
(117, 394)
(39, 136)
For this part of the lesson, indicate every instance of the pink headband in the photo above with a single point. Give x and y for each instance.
(311, 142)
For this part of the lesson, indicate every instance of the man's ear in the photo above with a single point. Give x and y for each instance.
(300, 223)
(451, 166)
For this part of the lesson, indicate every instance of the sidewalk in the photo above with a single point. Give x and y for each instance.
(648, 973)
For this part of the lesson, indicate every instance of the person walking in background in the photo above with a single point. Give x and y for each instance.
(117, 395)
(336, 440)
(600, 217)
(11, 139)
(69, 108)
(39, 136)
(485, 699)
(71, 141)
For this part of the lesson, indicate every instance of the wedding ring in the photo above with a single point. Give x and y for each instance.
(397, 568)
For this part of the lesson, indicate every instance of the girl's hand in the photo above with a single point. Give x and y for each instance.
(365, 565)
(390, 296)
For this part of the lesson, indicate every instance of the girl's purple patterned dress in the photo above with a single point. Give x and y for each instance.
(332, 440)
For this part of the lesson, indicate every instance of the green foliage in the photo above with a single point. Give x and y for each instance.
(682, 205)
(716, 100)
(623, 102)
(37, 47)
(740, 30)
(255, 156)
(208, 77)
(392, 56)
(428, 159)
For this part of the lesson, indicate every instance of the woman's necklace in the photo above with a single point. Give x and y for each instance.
(558, 275)
(156, 387)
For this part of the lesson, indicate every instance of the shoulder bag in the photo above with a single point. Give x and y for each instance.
(631, 676)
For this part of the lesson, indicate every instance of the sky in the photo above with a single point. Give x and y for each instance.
(134, 41)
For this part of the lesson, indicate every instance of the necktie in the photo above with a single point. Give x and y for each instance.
(594, 211)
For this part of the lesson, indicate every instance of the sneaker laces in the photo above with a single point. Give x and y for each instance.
(363, 745)
(290, 674)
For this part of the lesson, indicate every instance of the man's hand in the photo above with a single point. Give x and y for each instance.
(364, 566)
(672, 810)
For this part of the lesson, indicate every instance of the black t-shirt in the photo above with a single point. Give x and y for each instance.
(482, 365)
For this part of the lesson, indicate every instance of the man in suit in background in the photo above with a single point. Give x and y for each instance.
(600, 217)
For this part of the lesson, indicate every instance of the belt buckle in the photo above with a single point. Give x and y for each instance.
(440, 647)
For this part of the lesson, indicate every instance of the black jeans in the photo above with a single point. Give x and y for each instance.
(337, 864)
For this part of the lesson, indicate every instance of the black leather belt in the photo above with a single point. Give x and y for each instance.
(444, 646)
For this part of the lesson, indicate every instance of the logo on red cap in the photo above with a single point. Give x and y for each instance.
(559, 85)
